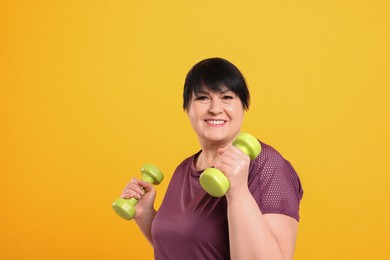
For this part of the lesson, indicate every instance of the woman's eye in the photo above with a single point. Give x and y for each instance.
(227, 97)
(201, 98)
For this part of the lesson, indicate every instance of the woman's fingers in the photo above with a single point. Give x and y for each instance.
(235, 165)
(230, 156)
(146, 186)
(133, 190)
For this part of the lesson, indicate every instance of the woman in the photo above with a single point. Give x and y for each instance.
(258, 216)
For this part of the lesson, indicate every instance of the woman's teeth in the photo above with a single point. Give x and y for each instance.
(215, 122)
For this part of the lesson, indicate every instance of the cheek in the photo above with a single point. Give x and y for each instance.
(193, 114)
(196, 109)
(235, 110)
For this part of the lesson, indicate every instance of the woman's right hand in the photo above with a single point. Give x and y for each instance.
(144, 192)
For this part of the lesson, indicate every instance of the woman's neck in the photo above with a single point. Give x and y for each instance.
(209, 155)
(206, 159)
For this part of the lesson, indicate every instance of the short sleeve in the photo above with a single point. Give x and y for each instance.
(279, 190)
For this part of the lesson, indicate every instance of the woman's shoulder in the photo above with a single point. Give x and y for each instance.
(270, 162)
(268, 154)
(275, 183)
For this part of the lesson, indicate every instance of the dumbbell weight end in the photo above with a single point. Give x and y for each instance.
(214, 182)
(125, 208)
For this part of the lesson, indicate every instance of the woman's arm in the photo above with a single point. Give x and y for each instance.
(144, 222)
(253, 235)
(256, 236)
(145, 212)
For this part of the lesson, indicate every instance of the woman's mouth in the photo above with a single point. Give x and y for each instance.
(215, 122)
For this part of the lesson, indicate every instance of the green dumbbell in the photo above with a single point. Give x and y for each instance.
(125, 208)
(213, 181)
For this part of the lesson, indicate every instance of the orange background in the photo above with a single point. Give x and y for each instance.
(91, 90)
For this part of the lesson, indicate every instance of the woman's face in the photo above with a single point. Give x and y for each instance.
(216, 117)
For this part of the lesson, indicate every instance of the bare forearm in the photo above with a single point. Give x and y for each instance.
(249, 234)
(144, 222)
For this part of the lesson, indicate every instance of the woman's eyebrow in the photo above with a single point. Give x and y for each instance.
(201, 92)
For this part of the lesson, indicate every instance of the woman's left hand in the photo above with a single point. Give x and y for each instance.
(235, 165)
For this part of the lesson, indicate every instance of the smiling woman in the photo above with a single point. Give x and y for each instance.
(258, 216)
(215, 97)
(215, 117)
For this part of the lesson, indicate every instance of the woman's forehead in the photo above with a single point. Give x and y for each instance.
(206, 90)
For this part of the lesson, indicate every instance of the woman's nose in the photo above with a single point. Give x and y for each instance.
(215, 107)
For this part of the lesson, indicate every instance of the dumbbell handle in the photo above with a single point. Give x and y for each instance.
(147, 178)
(133, 201)
(125, 208)
(213, 181)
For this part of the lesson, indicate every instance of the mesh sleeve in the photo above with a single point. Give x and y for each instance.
(280, 190)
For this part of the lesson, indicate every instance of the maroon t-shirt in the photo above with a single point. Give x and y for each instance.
(191, 224)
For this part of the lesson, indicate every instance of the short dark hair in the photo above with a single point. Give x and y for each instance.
(215, 74)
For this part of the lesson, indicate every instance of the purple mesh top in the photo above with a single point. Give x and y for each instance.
(191, 224)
